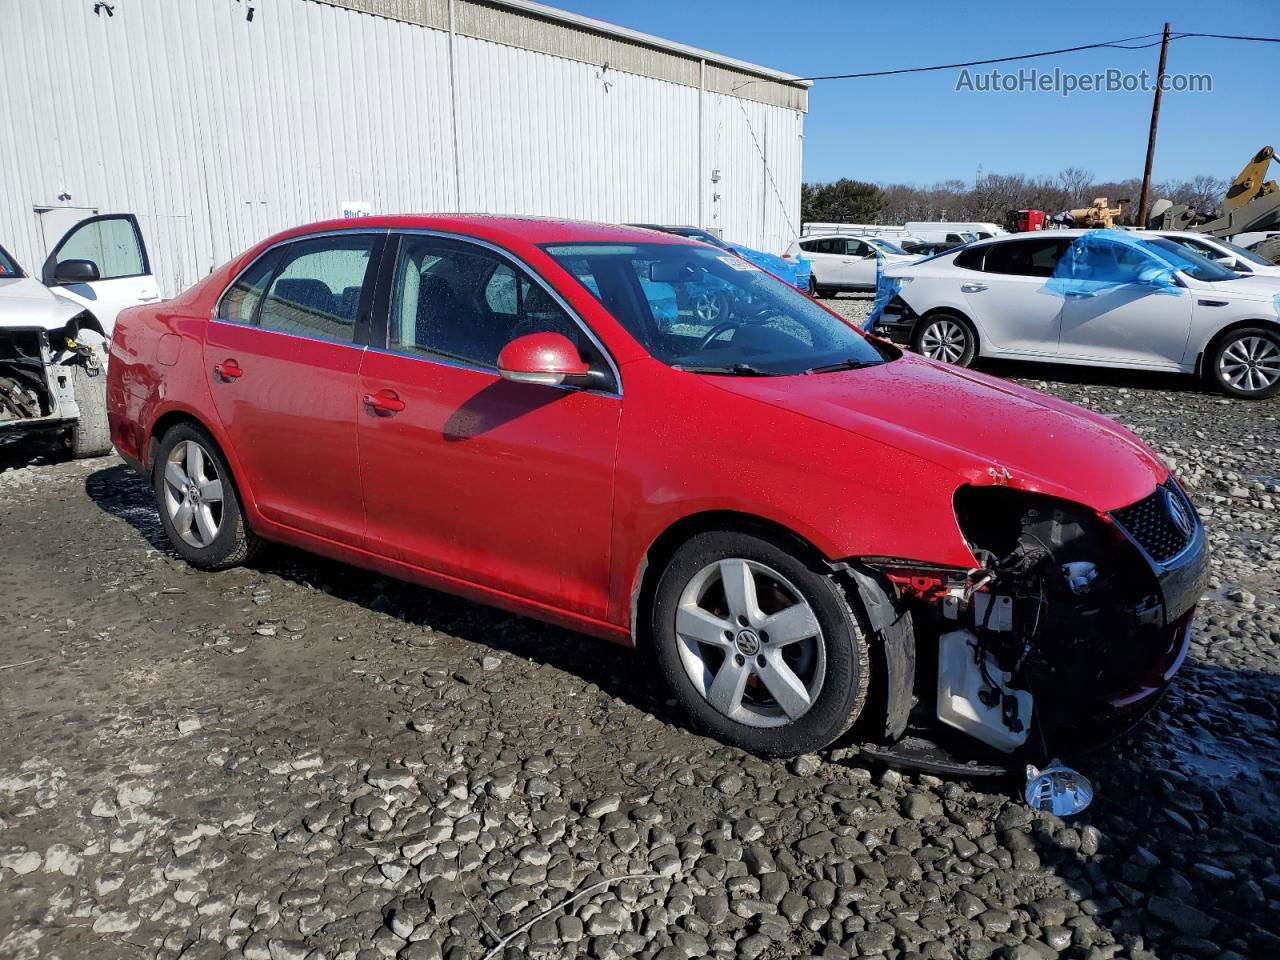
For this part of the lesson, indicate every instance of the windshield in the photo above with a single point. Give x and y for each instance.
(705, 311)
(1192, 264)
(8, 266)
(1244, 254)
(968, 237)
(885, 245)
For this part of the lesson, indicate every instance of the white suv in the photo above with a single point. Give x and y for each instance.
(1100, 297)
(54, 330)
(842, 262)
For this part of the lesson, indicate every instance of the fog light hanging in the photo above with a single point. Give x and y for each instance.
(1058, 789)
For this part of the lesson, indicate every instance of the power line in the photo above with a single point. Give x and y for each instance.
(1125, 43)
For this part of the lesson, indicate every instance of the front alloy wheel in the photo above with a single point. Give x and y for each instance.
(946, 338)
(761, 647)
(749, 643)
(1247, 364)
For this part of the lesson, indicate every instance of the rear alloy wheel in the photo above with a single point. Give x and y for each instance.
(948, 338)
(1247, 363)
(199, 507)
(764, 652)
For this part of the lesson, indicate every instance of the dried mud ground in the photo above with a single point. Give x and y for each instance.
(302, 760)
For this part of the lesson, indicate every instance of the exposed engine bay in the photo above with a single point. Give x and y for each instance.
(1064, 618)
(36, 382)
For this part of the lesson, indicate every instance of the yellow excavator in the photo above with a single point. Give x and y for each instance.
(1252, 205)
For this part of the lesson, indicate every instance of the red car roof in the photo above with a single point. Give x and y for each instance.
(499, 229)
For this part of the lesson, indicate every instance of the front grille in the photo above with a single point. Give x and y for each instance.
(1151, 522)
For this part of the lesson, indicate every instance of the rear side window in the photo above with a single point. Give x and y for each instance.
(827, 245)
(1026, 258)
(317, 287)
(240, 302)
(970, 258)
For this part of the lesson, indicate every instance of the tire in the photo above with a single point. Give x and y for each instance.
(948, 337)
(1246, 363)
(90, 435)
(823, 674)
(213, 541)
(813, 286)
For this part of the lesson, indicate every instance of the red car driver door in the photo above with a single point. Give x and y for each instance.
(505, 485)
(283, 356)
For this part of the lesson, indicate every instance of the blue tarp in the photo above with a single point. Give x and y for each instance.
(1101, 260)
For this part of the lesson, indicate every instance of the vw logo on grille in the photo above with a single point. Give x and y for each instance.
(1179, 513)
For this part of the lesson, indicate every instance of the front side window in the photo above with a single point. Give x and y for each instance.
(458, 301)
(1192, 264)
(317, 286)
(111, 243)
(708, 312)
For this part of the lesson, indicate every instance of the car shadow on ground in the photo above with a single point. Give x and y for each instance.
(1184, 807)
(30, 451)
(1096, 376)
(621, 674)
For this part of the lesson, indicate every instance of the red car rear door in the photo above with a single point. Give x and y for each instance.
(504, 485)
(283, 356)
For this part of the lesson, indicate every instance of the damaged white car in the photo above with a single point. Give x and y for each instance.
(54, 330)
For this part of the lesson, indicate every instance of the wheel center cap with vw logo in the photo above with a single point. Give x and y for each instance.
(747, 642)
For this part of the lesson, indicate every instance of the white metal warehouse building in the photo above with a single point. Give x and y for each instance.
(218, 128)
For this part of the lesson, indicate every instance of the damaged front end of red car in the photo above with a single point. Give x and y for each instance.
(1064, 633)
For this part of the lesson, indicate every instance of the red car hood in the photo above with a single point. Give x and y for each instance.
(985, 430)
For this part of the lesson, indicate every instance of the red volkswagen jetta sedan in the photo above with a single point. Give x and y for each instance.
(808, 527)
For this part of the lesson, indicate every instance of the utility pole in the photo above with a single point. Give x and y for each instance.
(1144, 199)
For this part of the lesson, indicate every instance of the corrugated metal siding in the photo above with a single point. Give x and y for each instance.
(217, 131)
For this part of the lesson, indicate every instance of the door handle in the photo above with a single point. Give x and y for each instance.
(1081, 294)
(228, 370)
(148, 297)
(384, 403)
(972, 287)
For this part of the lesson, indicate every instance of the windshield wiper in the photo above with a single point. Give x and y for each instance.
(735, 370)
(850, 364)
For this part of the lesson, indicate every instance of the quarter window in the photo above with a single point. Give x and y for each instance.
(316, 291)
(240, 302)
(461, 302)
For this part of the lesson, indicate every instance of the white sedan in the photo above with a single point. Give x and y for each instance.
(1223, 253)
(842, 262)
(1098, 297)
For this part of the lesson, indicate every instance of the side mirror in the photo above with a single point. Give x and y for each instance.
(545, 358)
(1157, 277)
(76, 271)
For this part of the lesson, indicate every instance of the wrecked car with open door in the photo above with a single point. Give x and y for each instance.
(54, 330)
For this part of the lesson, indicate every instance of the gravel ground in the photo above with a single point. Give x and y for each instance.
(301, 760)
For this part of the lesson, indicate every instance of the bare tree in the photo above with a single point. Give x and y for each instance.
(1075, 182)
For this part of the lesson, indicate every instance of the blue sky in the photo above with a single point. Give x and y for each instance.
(919, 129)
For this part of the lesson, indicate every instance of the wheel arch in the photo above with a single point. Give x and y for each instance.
(871, 596)
(1210, 345)
(663, 547)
